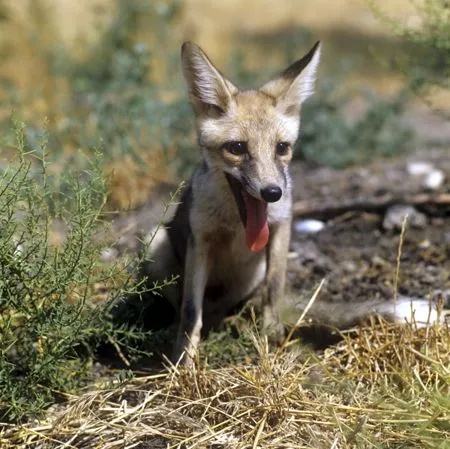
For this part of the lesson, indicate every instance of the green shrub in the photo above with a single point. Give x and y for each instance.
(118, 91)
(55, 299)
(425, 56)
(328, 138)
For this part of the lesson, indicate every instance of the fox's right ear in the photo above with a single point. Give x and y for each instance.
(209, 91)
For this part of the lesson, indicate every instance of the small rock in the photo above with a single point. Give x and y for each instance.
(349, 266)
(19, 250)
(434, 180)
(419, 168)
(424, 244)
(395, 215)
(380, 262)
(309, 226)
(109, 254)
(309, 253)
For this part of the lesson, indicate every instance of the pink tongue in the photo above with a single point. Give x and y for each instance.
(256, 228)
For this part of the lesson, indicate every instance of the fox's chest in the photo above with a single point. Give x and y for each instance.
(231, 261)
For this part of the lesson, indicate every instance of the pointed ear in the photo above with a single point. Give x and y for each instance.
(293, 86)
(209, 91)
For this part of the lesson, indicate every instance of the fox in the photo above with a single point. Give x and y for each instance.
(229, 236)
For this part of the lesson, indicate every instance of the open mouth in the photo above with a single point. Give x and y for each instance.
(253, 214)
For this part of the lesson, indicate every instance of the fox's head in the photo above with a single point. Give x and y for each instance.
(249, 134)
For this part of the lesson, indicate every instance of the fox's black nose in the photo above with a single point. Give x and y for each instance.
(271, 193)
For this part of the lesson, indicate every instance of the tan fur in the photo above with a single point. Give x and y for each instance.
(205, 241)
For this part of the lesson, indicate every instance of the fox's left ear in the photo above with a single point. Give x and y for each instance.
(293, 86)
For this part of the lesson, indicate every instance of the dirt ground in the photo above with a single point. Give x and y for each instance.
(355, 252)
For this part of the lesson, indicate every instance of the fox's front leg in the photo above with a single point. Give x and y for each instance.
(276, 278)
(195, 277)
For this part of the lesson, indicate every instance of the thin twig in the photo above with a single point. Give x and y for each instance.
(299, 321)
(397, 265)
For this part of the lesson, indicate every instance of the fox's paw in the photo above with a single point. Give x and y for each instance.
(272, 326)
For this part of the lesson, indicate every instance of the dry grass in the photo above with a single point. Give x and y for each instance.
(386, 385)
(384, 352)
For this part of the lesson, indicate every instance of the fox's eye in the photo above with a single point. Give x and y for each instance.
(236, 148)
(282, 148)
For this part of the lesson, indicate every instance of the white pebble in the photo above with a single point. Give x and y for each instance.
(434, 179)
(19, 249)
(419, 168)
(109, 254)
(394, 216)
(309, 226)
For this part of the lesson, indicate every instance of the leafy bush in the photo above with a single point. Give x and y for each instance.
(328, 138)
(55, 299)
(119, 93)
(425, 60)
